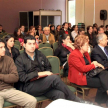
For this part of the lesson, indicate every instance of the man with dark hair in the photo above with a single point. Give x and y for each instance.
(100, 29)
(35, 76)
(106, 32)
(8, 76)
(1, 29)
(66, 31)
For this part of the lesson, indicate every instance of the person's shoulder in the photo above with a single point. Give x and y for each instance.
(75, 52)
(7, 58)
(95, 49)
(16, 50)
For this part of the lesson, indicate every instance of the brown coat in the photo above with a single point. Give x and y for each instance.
(8, 73)
(51, 38)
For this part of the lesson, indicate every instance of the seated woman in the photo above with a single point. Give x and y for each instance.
(79, 66)
(18, 36)
(64, 48)
(52, 29)
(9, 47)
(74, 32)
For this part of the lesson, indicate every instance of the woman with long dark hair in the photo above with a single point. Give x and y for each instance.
(9, 46)
(64, 48)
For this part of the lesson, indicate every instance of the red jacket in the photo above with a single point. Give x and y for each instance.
(77, 67)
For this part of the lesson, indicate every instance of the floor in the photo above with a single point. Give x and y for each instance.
(89, 97)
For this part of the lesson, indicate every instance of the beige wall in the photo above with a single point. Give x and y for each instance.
(85, 11)
(79, 11)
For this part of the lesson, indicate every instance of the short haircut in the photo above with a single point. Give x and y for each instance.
(81, 29)
(29, 38)
(99, 37)
(106, 26)
(99, 28)
(80, 41)
(1, 40)
(65, 23)
(0, 25)
(45, 28)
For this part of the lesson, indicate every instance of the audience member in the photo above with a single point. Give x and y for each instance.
(79, 67)
(1, 29)
(74, 32)
(91, 36)
(8, 76)
(57, 33)
(100, 30)
(9, 47)
(22, 29)
(65, 47)
(95, 30)
(95, 25)
(39, 30)
(32, 31)
(65, 30)
(69, 27)
(18, 36)
(52, 30)
(81, 31)
(100, 52)
(32, 65)
(47, 36)
(106, 32)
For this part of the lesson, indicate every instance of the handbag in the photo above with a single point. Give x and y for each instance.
(94, 72)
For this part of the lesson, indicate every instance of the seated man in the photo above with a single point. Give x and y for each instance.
(8, 76)
(32, 65)
(65, 30)
(100, 52)
(47, 37)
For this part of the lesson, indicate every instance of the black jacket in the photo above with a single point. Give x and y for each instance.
(23, 64)
(15, 53)
(92, 39)
(63, 32)
(99, 56)
(61, 52)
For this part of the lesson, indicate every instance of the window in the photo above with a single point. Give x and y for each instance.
(71, 11)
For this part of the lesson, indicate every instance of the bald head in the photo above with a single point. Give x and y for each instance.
(101, 39)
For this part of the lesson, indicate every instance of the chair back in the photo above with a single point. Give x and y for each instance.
(47, 51)
(21, 51)
(55, 45)
(44, 45)
(17, 42)
(17, 46)
(55, 64)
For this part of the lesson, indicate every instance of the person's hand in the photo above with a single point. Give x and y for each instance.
(70, 45)
(101, 66)
(95, 63)
(45, 73)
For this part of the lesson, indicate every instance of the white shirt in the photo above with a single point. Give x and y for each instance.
(74, 34)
